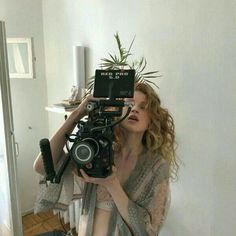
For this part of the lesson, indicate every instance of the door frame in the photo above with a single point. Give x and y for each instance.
(15, 214)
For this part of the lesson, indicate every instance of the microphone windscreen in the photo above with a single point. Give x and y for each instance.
(47, 158)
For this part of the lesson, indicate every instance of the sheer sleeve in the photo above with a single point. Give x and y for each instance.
(147, 217)
(58, 195)
(72, 187)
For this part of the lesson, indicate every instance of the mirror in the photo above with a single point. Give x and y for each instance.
(20, 58)
(194, 47)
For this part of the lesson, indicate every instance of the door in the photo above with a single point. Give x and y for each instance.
(10, 214)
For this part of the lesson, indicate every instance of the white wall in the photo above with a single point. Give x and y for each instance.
(29, 96)
(193, 45)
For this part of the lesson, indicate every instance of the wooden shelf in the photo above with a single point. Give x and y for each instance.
(63, 111)
(58, 110)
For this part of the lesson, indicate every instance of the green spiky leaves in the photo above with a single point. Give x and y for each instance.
(120, 61)
(117, 62)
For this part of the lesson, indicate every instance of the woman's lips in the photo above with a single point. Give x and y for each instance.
(133, 118)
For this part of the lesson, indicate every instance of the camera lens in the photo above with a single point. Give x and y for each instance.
(84, 151)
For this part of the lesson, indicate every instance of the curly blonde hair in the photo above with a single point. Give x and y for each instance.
(160, 135)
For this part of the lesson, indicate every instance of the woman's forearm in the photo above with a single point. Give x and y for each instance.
(120, 198)
(58, 140)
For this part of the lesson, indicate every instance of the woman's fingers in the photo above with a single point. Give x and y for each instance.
(84, 175)
(114, 169)
(87, 178)
(102, 181)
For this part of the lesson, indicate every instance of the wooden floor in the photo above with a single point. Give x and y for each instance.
(34, 224)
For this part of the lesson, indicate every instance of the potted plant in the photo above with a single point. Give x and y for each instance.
(120, 61)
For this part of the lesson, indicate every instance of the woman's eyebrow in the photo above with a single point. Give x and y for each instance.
(130, 99)
(143, 103)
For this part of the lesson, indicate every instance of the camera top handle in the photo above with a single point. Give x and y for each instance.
(121, 104)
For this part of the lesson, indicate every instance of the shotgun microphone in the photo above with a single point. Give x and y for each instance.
(47, 159)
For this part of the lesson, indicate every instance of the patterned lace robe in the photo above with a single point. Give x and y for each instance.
(147, 189)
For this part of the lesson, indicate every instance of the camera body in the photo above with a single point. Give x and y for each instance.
(92, 144)
(92, 148)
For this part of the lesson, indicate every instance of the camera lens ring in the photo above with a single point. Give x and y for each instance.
(84, 151)
(87, 147)
(95, 142)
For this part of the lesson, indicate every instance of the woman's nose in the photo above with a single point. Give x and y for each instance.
(134, 109)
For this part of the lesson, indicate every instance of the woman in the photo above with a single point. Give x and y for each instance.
(133, 200)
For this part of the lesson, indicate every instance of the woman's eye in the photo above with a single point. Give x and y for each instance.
(142, 107)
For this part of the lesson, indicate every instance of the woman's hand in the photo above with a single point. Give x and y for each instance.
(106, 182)
(81, 109)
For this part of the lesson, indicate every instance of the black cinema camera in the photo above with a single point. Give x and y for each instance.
(91, 147)
(92, 144)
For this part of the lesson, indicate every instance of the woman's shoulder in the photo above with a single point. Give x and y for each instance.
(159, 167)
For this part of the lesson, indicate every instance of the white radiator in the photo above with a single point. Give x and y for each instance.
(72, 215)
